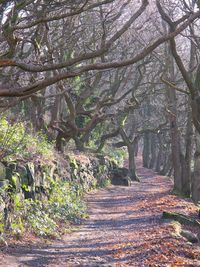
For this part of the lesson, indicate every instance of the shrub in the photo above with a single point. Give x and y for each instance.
(15, 141)
(118, 154)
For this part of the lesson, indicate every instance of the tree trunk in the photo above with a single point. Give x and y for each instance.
(132, 167)
(171, 171)
(159, 156)
(176, 160)
(153, 151)
(186, 161)
(196, 175)
(60, 142)
(56, 110)
(186, 164)
(166, 165)
(146, 150)
(79, 144)
(136, 149)
(131, 153)
(174, 132)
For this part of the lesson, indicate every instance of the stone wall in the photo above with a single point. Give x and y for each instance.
(34, 179)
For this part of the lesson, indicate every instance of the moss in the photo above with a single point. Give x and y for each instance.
(15, 182)
(23, 175)
(180, 194)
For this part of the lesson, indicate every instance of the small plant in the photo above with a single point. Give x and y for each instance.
(65, 202)
(38, 219)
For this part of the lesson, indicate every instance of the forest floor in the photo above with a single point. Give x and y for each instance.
(124, 228)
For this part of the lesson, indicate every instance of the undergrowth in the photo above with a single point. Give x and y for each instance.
(63, 203)
(44, 217)
(18, 142)
(118, 155)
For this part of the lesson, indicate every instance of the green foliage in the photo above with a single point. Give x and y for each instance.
(11, 136)
(118, 155)
(65, 202)
(3, 193)
(73, 163)
(64, 205)
(80, 121)
(38, 218)
(97, 133)
(38, 145)
(105, 183)
(15, 141)
(177, 193)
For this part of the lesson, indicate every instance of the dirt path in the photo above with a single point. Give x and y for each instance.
(124, 229)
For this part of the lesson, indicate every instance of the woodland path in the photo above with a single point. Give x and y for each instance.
(124, 229)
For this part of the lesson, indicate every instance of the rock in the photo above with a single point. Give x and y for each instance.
(63, 169)
(4, 183)
(3, 242)
(181, 218)
(101, 158)
(30, 173)
(10, 169)
(15, 182)
(189, 236)
(120, 176)
(2, 172)
(1, 207)
(23, 174)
